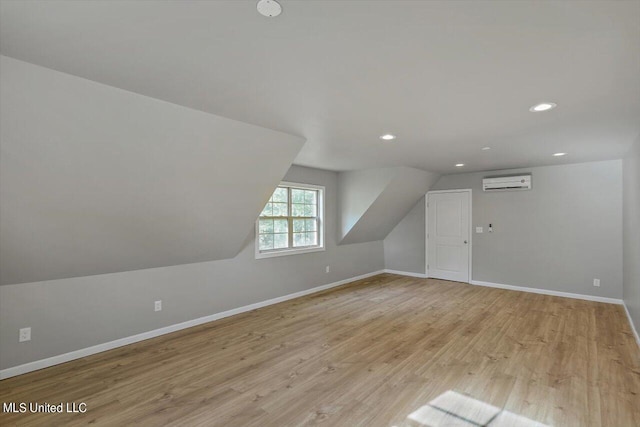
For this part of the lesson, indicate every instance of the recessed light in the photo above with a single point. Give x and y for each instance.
(387, 137)
(559, 154)
(459, 165)
(269, 8)
(486, 148)
(543, 106)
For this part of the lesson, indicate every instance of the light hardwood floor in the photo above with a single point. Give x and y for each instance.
(366, 354)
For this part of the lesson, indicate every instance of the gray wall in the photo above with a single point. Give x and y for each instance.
(404, 248)
(95, 179)
(71, 314)
(558, 236)
(358, 190)
(387, 201)
(631, 229)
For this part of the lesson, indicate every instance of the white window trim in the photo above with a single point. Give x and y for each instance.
(321, 225)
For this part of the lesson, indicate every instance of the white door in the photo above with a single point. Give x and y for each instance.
(449, 247)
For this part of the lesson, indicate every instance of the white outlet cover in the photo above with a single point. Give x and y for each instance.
(479, 230)
(158, 305)
(596, 282)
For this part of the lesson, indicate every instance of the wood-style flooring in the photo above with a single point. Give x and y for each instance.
(365, 354)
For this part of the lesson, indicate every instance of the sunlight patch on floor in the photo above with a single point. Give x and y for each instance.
(452, 409)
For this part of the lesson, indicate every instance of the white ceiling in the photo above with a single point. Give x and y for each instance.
(447, 77)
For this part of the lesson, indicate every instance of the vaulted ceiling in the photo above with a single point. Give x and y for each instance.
(447, 77)
(98, 180)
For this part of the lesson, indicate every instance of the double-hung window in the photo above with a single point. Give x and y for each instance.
(292, 221)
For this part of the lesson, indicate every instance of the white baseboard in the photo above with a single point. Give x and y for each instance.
(547, 292)
(84, 352)
(633, 327)
(405, 273)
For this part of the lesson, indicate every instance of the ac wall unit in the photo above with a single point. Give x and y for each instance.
(505, 183)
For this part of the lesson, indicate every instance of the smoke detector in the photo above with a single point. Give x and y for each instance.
(269, 8)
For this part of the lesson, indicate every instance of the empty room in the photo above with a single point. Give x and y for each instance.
(394, 213)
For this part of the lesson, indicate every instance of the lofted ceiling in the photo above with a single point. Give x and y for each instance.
(447, 77)
(98, 180)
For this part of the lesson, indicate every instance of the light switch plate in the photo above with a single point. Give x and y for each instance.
(25, 335)
(479, 230)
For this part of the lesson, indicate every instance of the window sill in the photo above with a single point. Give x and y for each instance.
(260, 255)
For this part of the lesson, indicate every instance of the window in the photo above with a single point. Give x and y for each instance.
(291, 222)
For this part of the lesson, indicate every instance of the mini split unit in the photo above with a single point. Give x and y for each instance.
(506, 183)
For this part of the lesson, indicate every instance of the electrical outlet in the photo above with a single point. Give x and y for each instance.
(158, 306)
(25, 335)
(479, 230)
(328, 269)
(596, 282)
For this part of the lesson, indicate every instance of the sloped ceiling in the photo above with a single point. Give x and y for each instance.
(373, 201)
(447, 77)
(96, 179)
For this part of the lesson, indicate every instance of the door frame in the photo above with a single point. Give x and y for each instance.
(426, 227)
